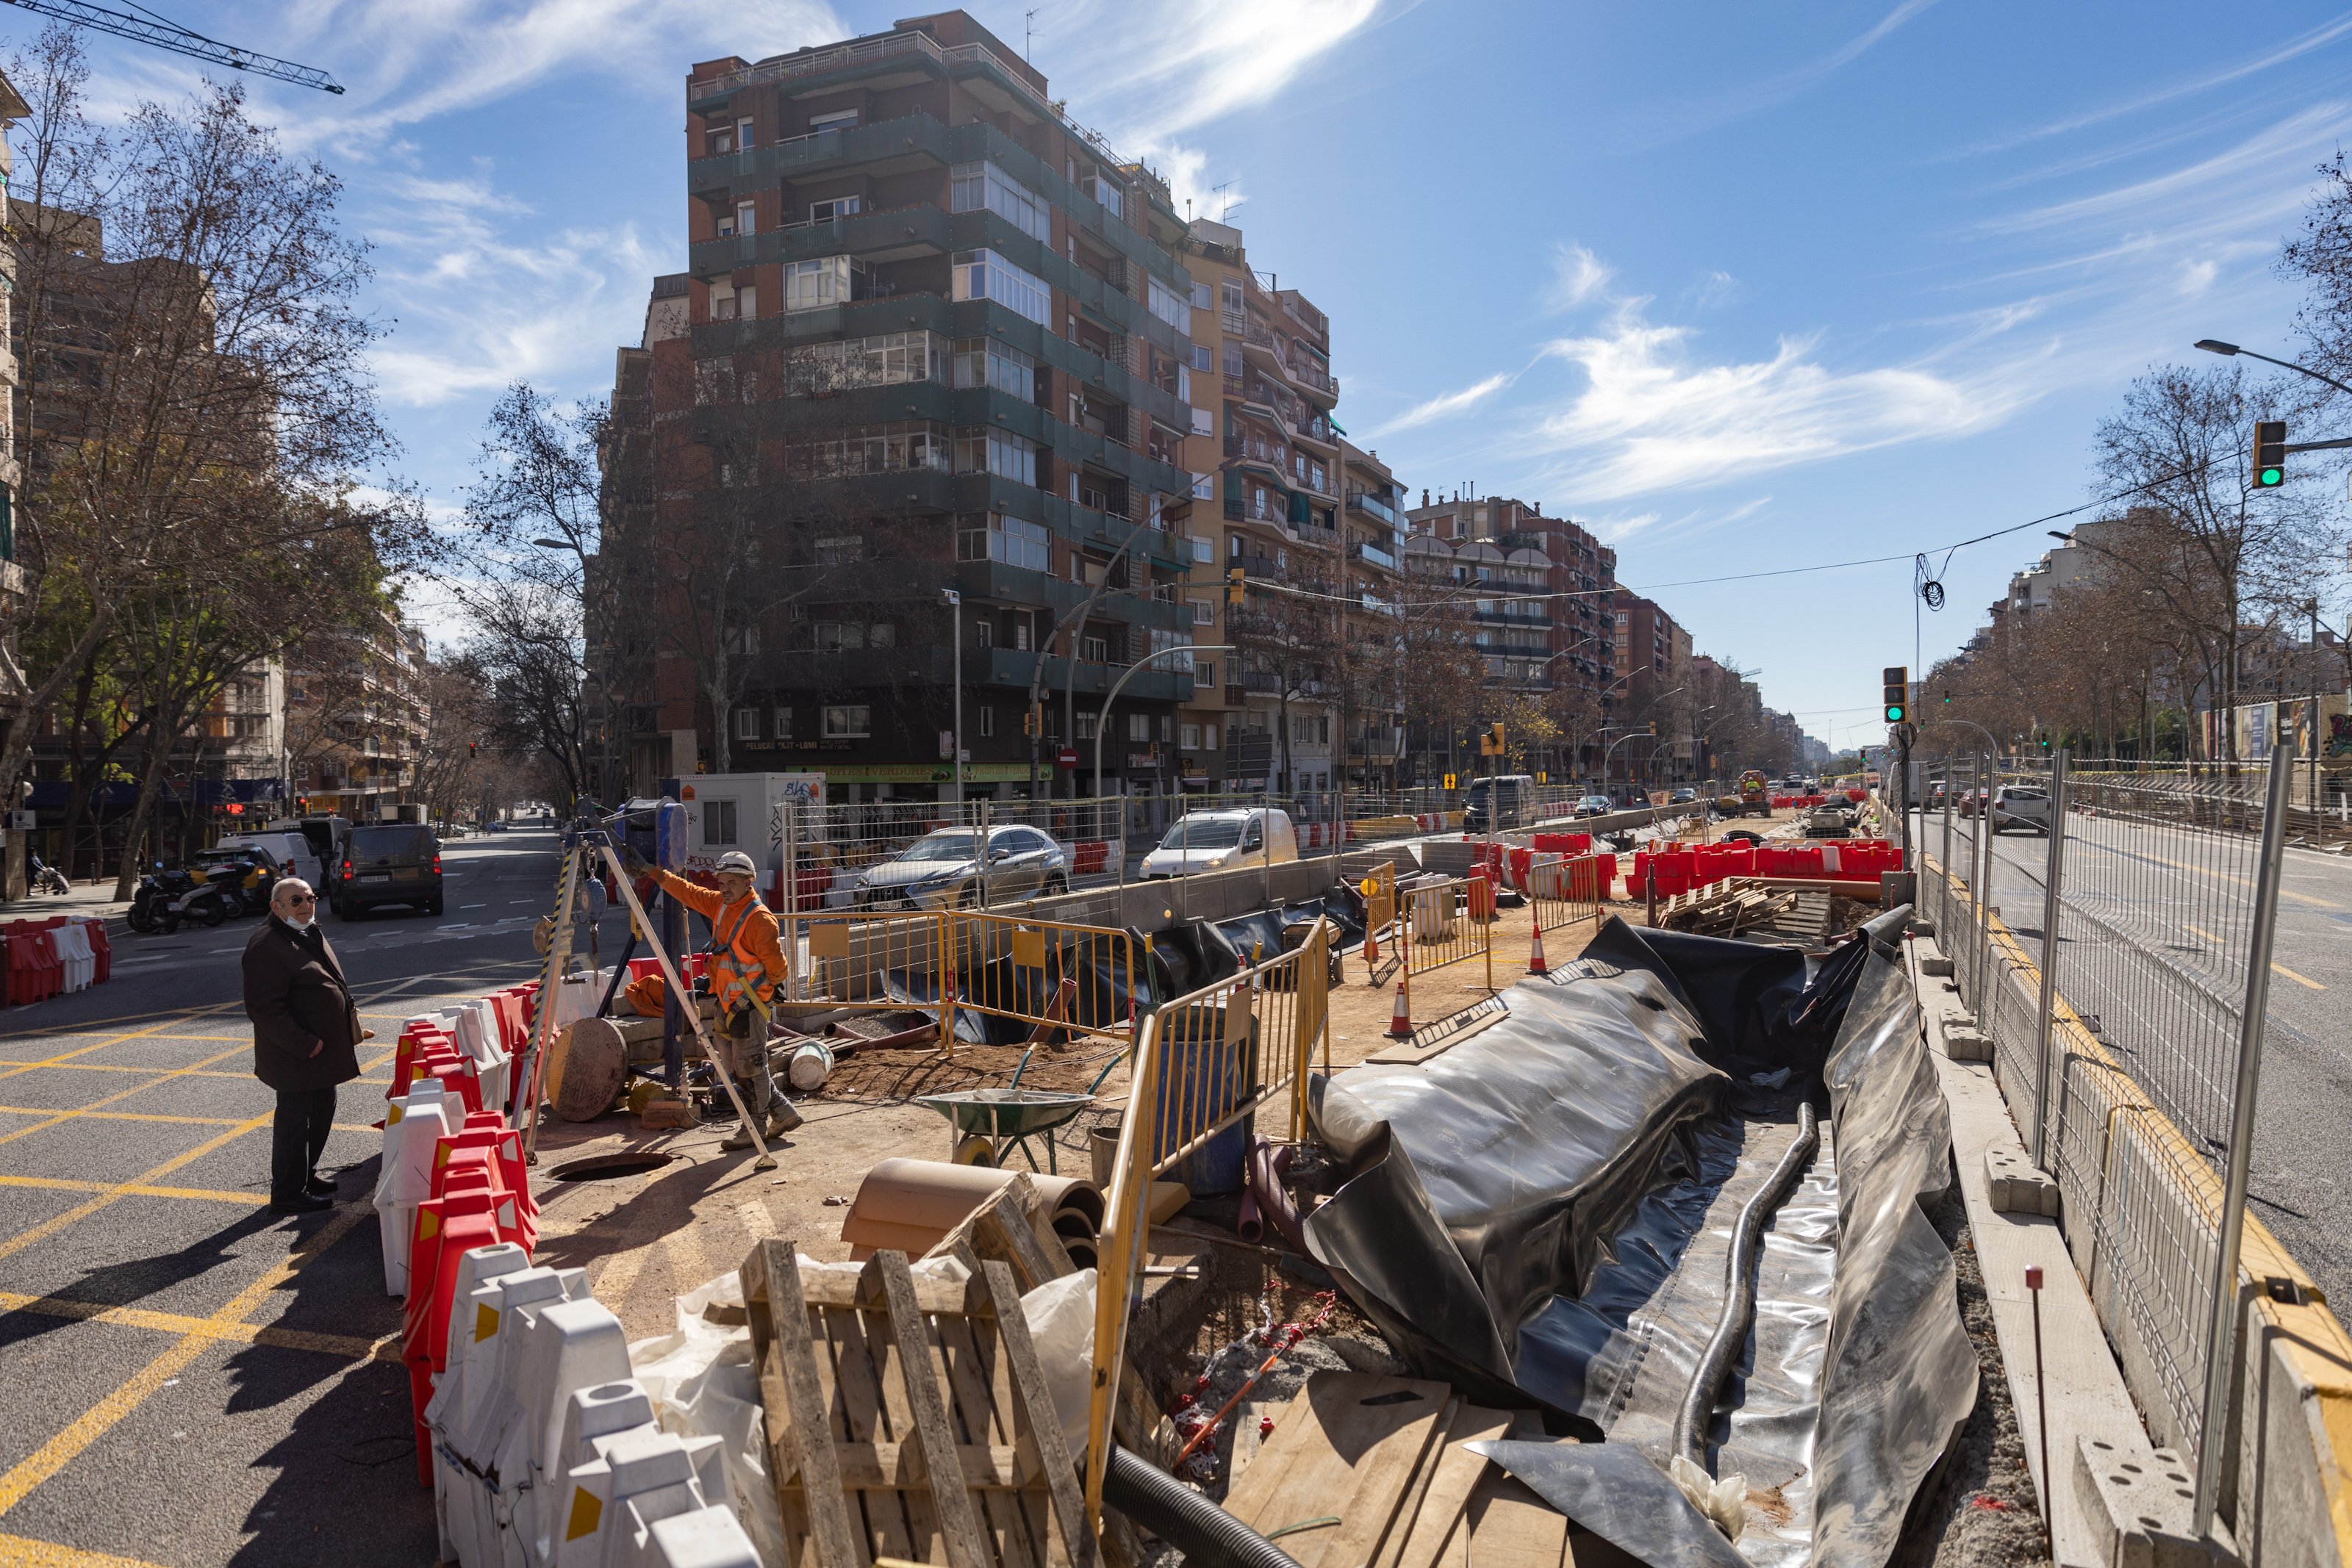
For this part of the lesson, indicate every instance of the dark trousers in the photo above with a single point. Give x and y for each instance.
(298, 1138)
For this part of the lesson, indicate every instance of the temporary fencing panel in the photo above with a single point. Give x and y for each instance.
(1447, 923)
(1378, 888)
(1562, 891)
(877, 959)
(1047, 973)
(1273, 1013)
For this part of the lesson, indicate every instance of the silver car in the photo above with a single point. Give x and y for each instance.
(2023, 806)
(943, 869)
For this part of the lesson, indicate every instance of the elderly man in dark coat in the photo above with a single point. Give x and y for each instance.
(306, 1035)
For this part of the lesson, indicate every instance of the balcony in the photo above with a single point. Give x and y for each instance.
(1372, 506)
(1372, 555)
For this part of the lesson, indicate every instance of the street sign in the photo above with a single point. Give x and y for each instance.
(1067, 757)
(1449, 782)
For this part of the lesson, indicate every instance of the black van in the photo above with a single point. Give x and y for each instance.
(1501, 803)
(388, 863)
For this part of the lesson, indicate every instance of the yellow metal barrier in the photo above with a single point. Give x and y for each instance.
(1213, 1057)
(851, 955)
(1380, 921)
(1044, 972)
(1563, 890)
(1439, 929)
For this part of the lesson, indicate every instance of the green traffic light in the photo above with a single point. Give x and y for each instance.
(2270, 479)
(1895, 714)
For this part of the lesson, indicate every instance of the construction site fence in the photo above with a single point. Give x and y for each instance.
(1202, 1063)
(1563, 890)
(2124, 1090)
(1044, 973)
(1446, 922)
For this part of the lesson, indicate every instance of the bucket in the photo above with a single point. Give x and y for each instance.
(1207, 1061)
(1102, 1145)
(811, 1065)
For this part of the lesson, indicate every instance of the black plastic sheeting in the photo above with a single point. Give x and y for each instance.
(1543, 1212)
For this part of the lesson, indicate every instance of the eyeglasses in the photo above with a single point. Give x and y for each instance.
(302, 898)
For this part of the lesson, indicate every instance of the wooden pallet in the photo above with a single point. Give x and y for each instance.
(877, 1385)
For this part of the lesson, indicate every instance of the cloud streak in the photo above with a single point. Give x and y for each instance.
(1688, 119)
(1445, 405)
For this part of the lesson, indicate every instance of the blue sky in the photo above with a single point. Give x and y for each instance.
(1742, 286)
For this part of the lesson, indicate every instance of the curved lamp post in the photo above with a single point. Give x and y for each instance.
(1102, 722)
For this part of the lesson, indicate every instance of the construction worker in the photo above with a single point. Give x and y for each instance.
(745, 967)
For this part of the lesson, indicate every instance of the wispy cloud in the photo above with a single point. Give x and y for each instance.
(1445, 405)
(1577, 275)
(1672, 123)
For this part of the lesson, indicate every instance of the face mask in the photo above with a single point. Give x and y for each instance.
(303, 922)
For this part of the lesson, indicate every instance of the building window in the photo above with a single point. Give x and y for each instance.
(987, 450)
(818, 283)
(1190, 737)
(783, 723)
(849, 723)
(744, 140)
(1163, 302)
(884, 359)
(1233, 360)
(905, 444)
(1095, 650)
(1202, 300)
(719, 821)
(1011, 541)
(1205, 673)
(746, 217)
(1139, 728)
(1232, 295)
(747, 724)
(987, 723)
(1103, 189)
(1203, 358)
(983, 633)
(985, 362)
(976, 187)
(831, 208)
(1204, 611)
(1086, 725)
(984, 275)
(839, 120)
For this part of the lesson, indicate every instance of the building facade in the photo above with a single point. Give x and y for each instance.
(934, 336)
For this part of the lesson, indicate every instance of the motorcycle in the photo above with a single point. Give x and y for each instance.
(249, 879)
(46, 878)
(167, 897)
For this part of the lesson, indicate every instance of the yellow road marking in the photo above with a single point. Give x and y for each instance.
(14, 1068)
(2298, 979)
(102, 1417)
(63, 1184)
(162, 1076)
(119, 1067)
(159, 1116)
(348, 1346)
(26, 1552)
(2205, 933)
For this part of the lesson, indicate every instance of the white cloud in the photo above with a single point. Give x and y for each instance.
(1577, 274)
(1445, 405)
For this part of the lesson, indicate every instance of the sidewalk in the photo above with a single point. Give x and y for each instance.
(96, 899)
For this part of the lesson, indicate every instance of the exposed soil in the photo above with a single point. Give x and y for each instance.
(1979, 1510)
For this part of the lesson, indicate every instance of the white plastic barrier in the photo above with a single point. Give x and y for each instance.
(566, 1346)
(479, 1038)
(78, 959)
(476, 1271)
(414, 1124)
(642, 1481)
(478, 1413)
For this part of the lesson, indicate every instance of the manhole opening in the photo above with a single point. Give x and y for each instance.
(611, 1167)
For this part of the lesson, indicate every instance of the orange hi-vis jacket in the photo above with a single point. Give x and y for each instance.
(744, 954)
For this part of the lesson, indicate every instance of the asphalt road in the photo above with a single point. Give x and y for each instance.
(192, 1381)
(2166, 897)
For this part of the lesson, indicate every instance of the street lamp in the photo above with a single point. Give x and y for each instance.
(1103, 721)
(2230, 351)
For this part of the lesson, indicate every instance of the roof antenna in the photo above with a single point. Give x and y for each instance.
(1225, 210)
(1028, 30)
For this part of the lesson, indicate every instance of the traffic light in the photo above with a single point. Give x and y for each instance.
(472, 749)
(1233, 585)
(1029, 725)
(1653, 727)
(2270, 453)
(1895, 682)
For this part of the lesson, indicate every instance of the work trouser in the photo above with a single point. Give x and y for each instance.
(743, 1046)
(298, 1136)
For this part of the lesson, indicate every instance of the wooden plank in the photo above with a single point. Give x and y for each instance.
(1509, 1523)
(1306, 1466)
(974, 1414)
(1456, 1477)
(812, 1455)
(896, 1519)
(958, 1529)
(834, 1288)
(1381, 1478)
(1401, 1526)
(1042, 1427)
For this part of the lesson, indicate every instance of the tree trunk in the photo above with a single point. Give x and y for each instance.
(159, 758)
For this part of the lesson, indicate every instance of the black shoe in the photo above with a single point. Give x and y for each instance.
(320, 1187)
(309, 1203)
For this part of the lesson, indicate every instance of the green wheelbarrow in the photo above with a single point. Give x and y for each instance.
(985, 1123)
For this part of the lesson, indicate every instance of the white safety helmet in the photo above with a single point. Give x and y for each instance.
(737, 860)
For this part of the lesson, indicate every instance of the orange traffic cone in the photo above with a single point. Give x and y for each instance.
(1401, 1021)
(1536, 964)
(1371, 950)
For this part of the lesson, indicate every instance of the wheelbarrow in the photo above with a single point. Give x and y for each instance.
(985, 1123)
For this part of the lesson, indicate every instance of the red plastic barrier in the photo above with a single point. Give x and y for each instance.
(446, 1228)
(1563, 843)
(1089, 856)
(102, 949)
(1481, 897)
(1857, 796)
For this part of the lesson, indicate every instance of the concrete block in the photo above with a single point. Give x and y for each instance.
(2141, 1509)
(1967, 1044)
(1934, 965)
(2016, 1188)
(1921, 928)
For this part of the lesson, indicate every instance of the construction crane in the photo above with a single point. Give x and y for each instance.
(150, 28)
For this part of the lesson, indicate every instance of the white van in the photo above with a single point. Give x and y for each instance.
(1224, 840)
(289, 853)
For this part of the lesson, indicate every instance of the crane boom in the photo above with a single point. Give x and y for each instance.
(180, 40)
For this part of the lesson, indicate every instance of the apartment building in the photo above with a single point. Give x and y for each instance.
(357, 713)
(1278, 495)
(1542, 592)
(934, 336)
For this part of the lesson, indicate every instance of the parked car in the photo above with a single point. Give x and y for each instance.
(247, 871)
(1685, 796)
(1594, 806)
(1224, 840)
(289, 853)
(388, 863)
(943, 870)
(2023, 806)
